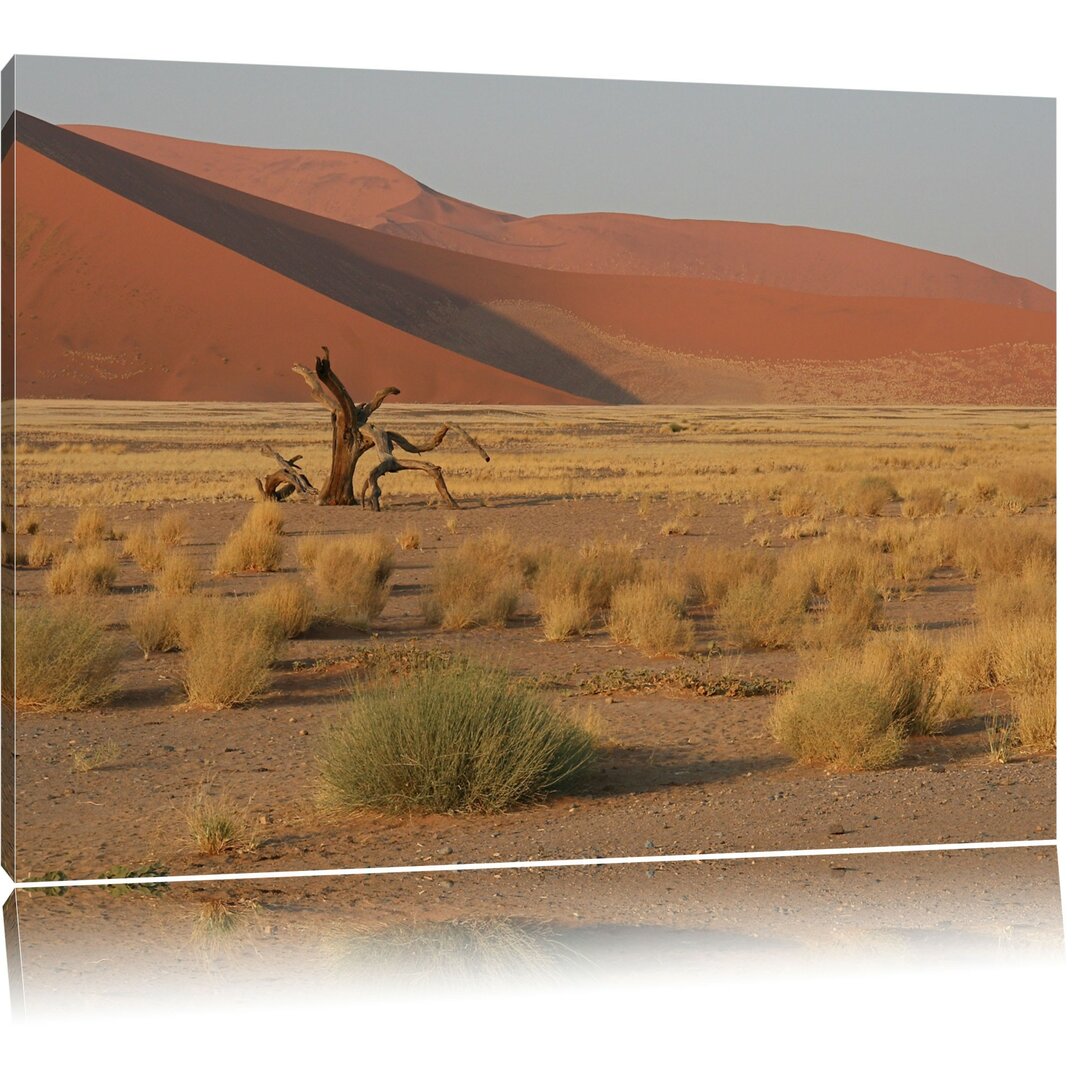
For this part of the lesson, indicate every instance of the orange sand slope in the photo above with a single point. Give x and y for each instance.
(361, 190)
(118, 302)
(139, 279)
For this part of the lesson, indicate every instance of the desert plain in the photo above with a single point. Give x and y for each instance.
(928, 530)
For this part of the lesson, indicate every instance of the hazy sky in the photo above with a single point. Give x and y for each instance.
(967, 175)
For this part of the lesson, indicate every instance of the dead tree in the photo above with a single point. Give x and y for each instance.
(287, 479)
(346, 419)
(353, 434)
(385, 441)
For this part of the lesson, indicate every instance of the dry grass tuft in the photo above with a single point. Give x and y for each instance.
(868, 496)
(228, 653)
(796, 501)
(851, 613)
(28, 521)
(846, 560)
(173, 529)
(177, 575)
(265, 517)
(100, 756)
(924, 501)
(143, 546)
(606, 565)
(352, 579)
(999, 738)
(839, 719)
(91, 528)
(64, 660)
(1020, 489)
(969, 659)
(898, 684)
(802, 528)
(153, 623)
(713, 571)
(217, 826)
(249, 549)
(565, 615)
(1035, 723)
(82, 572)
(307, 549)
(189, 613)
(288, 606)
(1025, 655)
(44, 550)
(912, 674)
(1005, 547)
(408, 540)
(571, 587)
(1032, 592)
(764, 614)
(478, 584)
(651, 616)
(983, 489)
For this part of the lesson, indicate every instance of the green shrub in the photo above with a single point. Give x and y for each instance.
(217, 825)
(453, 737)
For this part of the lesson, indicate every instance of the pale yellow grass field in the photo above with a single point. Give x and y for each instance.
(90, 454)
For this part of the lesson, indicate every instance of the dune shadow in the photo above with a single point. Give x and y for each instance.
(360, 268)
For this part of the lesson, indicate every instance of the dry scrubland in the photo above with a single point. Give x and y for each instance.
(663, 612)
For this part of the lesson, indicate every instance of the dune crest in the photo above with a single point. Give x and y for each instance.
(361, 190)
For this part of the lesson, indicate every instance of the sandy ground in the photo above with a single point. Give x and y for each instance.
(682, 774)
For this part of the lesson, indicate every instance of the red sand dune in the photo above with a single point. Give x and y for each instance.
(124, 257)
(117, 302)
(365, 191)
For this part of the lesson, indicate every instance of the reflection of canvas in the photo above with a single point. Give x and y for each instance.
(255, 943)
(693, 534)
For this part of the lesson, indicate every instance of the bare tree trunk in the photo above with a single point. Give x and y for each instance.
(346, 419)
(353, 435)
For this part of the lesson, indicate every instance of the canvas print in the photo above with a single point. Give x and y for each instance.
(408, 468)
